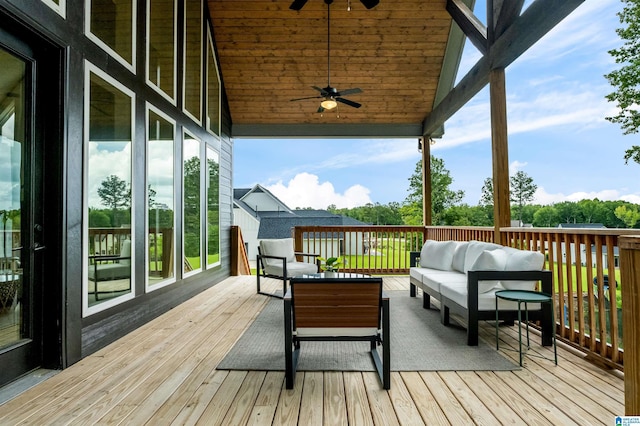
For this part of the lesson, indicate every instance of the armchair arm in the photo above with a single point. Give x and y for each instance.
(413, 258)
(538, 275)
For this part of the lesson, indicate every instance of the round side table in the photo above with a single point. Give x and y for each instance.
(526, 297)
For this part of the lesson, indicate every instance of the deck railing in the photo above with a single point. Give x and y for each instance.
(584, 262)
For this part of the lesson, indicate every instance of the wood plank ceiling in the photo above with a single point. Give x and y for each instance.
(270, 54)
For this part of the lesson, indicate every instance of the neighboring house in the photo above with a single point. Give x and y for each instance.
(260, 215)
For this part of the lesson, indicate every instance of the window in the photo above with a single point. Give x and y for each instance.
(193, 59)
(161, 46)
(111, 25)
(213, 89)
(192, 245)
(108, 242)
(160, 200)
(213, 208)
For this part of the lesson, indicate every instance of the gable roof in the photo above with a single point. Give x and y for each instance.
(278, 223)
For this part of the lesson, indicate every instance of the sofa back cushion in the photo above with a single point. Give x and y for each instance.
(523, 260)
(490, 260)
(474, 249)
(459, 255)
(437, 254)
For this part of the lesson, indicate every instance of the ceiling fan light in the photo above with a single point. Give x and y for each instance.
(328, 103)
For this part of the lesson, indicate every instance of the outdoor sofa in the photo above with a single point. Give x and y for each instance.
(464, 277)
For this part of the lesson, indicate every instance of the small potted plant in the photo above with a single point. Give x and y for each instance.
(331, 265)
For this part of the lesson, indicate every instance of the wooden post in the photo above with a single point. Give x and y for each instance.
(500, 152)
(427, 219)
(630, 285)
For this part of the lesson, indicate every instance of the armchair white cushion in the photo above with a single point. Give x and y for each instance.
(283, 248)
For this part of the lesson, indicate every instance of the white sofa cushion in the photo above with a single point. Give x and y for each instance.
(474, 249)
(523, 260)
(486, 301)
(458, 256)
(437, 254)
(293, 269)
(490, 260)
(280, 247)
(437, 281)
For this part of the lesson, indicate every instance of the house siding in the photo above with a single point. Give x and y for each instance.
(76, 336)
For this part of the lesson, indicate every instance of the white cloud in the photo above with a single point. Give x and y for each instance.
(515, 166)
(306, 190)
(544, 198)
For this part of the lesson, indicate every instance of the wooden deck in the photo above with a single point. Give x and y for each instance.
(164, 373)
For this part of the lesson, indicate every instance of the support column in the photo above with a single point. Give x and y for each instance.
(630, 278)
(426, 181)
(500, 152)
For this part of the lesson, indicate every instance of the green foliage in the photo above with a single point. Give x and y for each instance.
(442, 197)
(522, 191)
(465, 215)
(332, 263)
(192, 207)
(375, 214)
(629, 215)
(546, 217)
(115, 194)
(632, 153)
(626, 79)
(486, 199)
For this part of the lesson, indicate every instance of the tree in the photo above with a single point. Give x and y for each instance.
(115, 194)
(442, 197)
(522, 190)
(626, 80)
(629, 215)
(546, 216)
(486, 199)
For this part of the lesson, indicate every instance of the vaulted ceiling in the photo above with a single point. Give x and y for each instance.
(403, 54)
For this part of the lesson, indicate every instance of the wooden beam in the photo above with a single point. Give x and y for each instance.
(427, 218)
(534, 23)
(540, 17)
(500, 153)
(470, 25)
(504, 14)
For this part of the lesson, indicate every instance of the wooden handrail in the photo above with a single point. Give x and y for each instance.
(239, 260)
(630, 275)
(585, 263)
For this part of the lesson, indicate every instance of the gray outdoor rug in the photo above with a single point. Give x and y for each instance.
(419, 342)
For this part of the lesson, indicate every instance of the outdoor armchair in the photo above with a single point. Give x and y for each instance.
(277, 259)
(343, 310)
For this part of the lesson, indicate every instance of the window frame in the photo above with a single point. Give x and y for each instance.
(87, 310)
(171, 280)
(195, 271)
(188, 113)
(170, 97)
(98, 41)
(60, 9)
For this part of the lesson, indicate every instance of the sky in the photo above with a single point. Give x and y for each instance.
(558, 134)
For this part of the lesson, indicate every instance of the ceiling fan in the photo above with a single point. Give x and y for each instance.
(299, 4)
(330, 95)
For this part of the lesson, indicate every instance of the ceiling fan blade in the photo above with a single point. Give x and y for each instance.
(297, 4)
(348, 102)
(308, 97)
(322, 91)
(350, 91)
(320, 109)
(369, 3)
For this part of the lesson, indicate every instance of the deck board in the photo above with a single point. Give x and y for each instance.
(164, 373)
